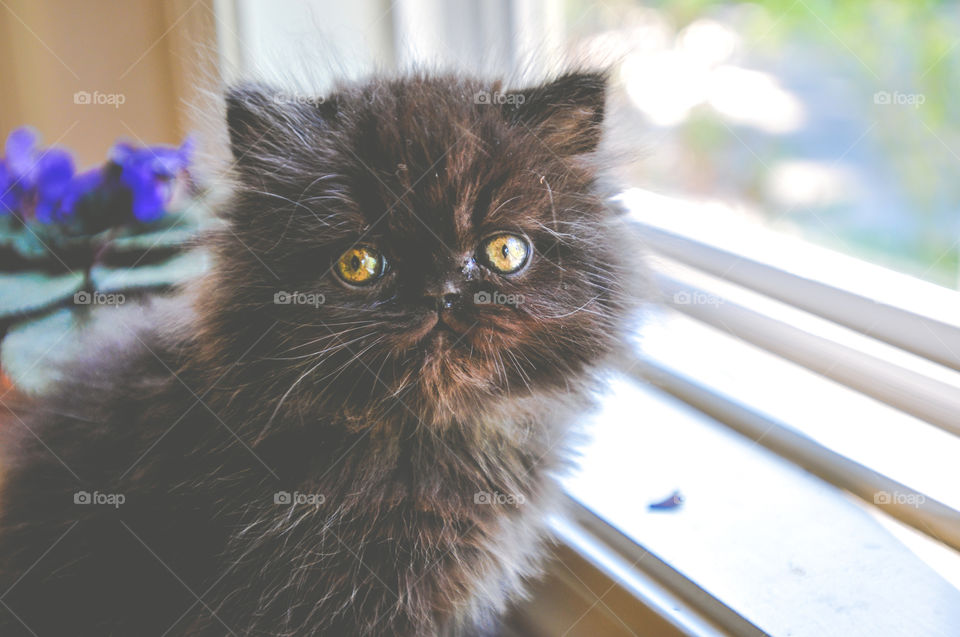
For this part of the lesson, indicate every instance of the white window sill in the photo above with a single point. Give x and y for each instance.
(775, 545)
(783, 401)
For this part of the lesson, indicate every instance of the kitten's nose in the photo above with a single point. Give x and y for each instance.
(444, 294)
(450, 301)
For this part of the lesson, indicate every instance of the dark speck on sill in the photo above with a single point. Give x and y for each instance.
(672, 502)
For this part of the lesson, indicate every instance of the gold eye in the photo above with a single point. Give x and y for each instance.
(360, 265)
(505, 253)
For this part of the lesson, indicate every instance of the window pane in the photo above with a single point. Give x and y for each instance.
(833, 120)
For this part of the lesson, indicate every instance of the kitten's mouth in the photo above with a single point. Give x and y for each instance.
(440, 327)
(448, 322)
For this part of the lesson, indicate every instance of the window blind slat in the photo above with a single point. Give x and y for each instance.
(923, 389)
(907, 312)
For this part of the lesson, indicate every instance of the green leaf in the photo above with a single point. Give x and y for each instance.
(172, 237)
(32, 350)
(26, 292)
(170, 272)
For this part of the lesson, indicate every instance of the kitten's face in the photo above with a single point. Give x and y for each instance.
(442, 251)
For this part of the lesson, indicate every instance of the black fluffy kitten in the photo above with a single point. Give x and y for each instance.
(353, 426)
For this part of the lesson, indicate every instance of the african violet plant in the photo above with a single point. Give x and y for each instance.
(58, 224)
(67, 235)
(53, 217)
(135, 185)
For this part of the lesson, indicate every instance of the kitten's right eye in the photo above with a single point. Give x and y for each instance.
(360, 265)
(506, 253)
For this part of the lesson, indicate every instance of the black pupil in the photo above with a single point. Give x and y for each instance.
(505, 250)
(355, 262)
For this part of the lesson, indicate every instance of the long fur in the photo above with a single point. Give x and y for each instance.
(421, 465)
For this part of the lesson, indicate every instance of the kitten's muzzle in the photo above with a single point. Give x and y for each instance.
(449, 301)
(449, 308)
(444, 295)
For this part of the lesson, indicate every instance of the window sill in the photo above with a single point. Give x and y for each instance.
(758, 545)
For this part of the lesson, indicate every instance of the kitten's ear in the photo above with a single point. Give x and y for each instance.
(261, 117)
(566, 113)
(250, 116)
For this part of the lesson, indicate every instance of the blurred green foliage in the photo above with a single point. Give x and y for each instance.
(834, 56)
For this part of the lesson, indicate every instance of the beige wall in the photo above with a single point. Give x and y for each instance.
(151, 52)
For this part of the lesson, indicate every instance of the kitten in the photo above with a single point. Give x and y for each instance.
(354, 424)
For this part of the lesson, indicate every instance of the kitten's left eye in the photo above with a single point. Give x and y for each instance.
(360, 265)
(506, 253)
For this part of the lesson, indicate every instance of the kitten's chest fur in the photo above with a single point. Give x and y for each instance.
(404, 526)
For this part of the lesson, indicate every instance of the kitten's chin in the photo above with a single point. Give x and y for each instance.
(441, 339)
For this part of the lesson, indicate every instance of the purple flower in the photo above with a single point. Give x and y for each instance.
(137, 184)
(149, 173)
(32, 179)
(80, 186)
(8, 198)
(53, 174)
(21, 150)
(17, 170)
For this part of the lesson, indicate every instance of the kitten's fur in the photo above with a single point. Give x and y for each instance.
(199, 417)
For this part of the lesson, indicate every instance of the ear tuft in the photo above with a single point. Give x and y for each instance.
(262, 118)
(249, 115)
(566, 113)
